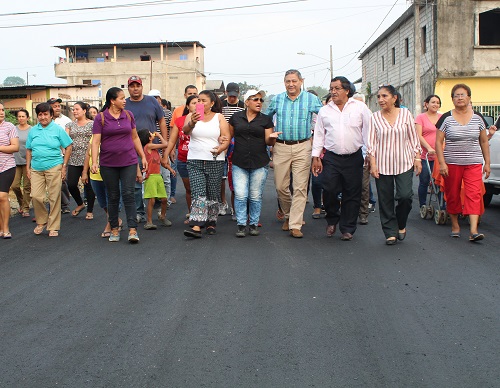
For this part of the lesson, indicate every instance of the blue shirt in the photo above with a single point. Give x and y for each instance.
(146, 112)
(294, 117)
(45, 145)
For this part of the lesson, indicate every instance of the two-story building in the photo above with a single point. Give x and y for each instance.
(458, 41)
(166, 66)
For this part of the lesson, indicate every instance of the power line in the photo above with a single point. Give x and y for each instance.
(89, 8)
(154, 16)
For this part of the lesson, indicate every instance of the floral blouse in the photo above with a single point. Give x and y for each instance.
(81, 137)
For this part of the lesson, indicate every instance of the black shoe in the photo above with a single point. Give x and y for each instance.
(192, 233)
(254, 230)
(242, 231)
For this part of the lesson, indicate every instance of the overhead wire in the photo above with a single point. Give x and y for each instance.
(154, 16)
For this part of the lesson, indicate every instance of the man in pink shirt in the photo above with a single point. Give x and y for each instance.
(342, 130)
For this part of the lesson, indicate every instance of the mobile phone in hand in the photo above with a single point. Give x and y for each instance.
(200, 109)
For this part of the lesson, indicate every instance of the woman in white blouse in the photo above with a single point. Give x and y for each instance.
(394, 150)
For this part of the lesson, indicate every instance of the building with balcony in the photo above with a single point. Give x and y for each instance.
(458, 41)
(166, 66)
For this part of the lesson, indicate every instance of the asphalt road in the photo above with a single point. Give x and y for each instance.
(267, 311)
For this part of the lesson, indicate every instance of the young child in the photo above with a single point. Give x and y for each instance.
(153, 181)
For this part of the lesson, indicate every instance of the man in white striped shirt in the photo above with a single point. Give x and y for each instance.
(342, 130)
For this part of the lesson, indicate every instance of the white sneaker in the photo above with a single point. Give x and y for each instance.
(223, 207)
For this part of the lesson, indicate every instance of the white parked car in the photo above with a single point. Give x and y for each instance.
(492, 184)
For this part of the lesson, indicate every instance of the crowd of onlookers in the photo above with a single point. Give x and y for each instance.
(129, 154)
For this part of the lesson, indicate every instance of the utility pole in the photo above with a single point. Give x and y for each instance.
(331, 63)
(417, 51)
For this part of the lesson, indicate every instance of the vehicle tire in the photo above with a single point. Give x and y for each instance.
(487, 197)
(442, 217)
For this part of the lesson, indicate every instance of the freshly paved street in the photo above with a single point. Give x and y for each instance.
(267, 311)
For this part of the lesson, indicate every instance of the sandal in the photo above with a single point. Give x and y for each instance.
(106, 234)
(54, 233)
(39, 229)
(89, 216)
(7, 235)
(77, 211)
(133, 237)
(114, 235)
(192, 233)
(455, 234)
(25, 214)
(391, 241)
(476, 237)
(211, 230)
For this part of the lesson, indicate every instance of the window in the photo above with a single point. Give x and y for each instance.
(183, 57)
(489, 34)
(407, 47)
(424, 39)
(383, 63)
(394, 55)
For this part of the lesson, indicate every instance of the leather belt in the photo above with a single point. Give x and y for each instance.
(291, 142)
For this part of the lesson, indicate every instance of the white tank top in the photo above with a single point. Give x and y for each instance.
(204, 137)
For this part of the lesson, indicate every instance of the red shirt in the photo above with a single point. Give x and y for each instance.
(153, 158)
(183, 140)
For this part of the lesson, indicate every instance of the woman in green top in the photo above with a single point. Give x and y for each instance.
(47, 168)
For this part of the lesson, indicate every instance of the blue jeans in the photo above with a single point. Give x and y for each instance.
(100, 193)
(425, 179)
(317, 191)
(112, 177)
(173, 179)
(248, 187)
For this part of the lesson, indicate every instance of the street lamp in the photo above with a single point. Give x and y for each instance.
(331, 59)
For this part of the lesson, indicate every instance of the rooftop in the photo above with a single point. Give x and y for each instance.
(133, 45)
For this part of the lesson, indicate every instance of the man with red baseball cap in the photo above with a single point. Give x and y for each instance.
(147, 113)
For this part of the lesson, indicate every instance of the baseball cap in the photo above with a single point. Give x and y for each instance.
(134, 78)
(232, 89)
(253, 92)
(54, 100)
(154, 93)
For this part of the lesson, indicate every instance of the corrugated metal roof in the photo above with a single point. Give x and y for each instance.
(132, 45)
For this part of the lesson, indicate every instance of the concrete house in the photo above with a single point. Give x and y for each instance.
(166, 66)
(458, 41)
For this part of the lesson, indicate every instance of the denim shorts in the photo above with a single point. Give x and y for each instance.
(182, 169)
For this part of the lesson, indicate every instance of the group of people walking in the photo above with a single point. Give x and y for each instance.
(123, 155)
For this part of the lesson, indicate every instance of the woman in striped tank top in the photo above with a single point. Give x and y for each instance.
(394, 150)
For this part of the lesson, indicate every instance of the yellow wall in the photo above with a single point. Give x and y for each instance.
(484, 91)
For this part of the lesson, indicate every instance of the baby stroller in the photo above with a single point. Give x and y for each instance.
(435, 206)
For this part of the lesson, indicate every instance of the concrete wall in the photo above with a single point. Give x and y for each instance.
(170, 75)
(400, 74)
(457, 40)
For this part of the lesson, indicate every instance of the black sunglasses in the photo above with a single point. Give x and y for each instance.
(255, 99)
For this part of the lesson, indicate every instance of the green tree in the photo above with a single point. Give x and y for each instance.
(14, 81)
(244, 87)
(322, 92)
(10, 117)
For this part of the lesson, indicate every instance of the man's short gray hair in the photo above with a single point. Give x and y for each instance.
(359, 96)
(293, 71)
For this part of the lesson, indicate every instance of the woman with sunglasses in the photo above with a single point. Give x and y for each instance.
(394, 150)
(252, 132)
(462, 160)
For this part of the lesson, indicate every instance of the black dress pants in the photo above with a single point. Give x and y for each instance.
(342, 174)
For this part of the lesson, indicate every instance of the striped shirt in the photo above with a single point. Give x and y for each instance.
(393, 146)
(228, 110)
(462, 141)
(7, 132)
(294, 117)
